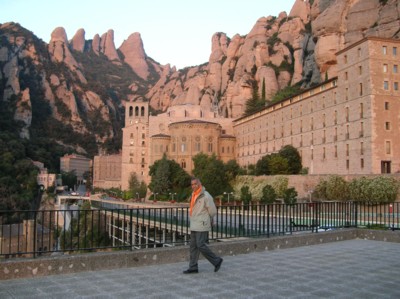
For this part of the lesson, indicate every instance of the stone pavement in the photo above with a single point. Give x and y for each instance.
(345, 269)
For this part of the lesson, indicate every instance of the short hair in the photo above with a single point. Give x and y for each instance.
(195, 179)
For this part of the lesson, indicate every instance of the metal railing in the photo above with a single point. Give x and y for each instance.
(46, 232)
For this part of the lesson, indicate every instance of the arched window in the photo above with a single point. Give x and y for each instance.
(136, 111)
(130, 110)
(142, 111)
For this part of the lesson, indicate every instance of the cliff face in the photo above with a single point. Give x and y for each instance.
(80, 83)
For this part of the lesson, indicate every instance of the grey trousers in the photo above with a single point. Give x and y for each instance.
(198, 245)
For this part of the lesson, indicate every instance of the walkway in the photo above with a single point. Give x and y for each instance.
(347, 269)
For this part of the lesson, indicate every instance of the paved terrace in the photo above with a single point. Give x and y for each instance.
(339, 264)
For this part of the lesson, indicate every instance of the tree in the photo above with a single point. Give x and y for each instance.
(232, 170)
(211, 172)
(263, 98)
(382, 190)
(135, 186)
(278, 164)
(245, 195)
(292, 155)
(166, 176)
(336, 188)
(160, 176)
(262, 166)
(290, 196)
(69, 179)
(268, 194)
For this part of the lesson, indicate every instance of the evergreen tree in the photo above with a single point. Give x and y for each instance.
(292, 155)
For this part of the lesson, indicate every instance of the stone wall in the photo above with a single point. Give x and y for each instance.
(65, 264)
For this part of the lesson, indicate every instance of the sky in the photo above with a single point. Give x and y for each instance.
(177, 32)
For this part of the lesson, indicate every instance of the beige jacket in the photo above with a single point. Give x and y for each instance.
(203, 212)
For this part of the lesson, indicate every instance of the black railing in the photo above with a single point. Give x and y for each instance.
(105, 227)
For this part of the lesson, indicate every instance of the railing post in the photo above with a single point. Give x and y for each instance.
(130, 228)
(355, 208)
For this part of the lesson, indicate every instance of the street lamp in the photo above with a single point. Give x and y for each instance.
(137, 194)
(229, 193)
(172, 195)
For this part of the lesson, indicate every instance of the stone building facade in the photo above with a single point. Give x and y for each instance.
(346, 125)
(77, 163)
(107, 171)
(180, 133)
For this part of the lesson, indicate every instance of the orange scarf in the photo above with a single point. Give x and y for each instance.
(195, 194)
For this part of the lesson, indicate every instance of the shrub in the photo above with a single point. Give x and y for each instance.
(268, 194)
(382, 190)
(290, 196)
(280, 185)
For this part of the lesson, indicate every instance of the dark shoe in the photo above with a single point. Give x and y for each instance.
(217, 266)
(188, 271)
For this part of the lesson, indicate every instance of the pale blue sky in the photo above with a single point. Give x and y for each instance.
(178, 32)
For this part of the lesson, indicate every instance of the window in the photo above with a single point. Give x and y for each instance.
(386, 105)
(183, 147)
(388, 147)
(387, 125)
(360, 89)
(396, 86)
(210, 147)
(360, 70)
(347, 114)
(361, 110)
(384, 50)
(385, 68)
(347, 150)
(395, 69)
(346, 76)
(361, 148)
(386, 85)
(173, 147)
(183, 164)
(385, 166)
(347, 164)
(197, 146)
(362, 163)
(394, 51)
(335, 151)
(362, 129)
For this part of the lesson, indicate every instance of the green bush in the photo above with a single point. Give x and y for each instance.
(268, 194)
(290, 196)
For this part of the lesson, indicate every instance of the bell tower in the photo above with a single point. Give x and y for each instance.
(135, 143)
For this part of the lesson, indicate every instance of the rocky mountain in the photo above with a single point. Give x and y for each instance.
(70, 91)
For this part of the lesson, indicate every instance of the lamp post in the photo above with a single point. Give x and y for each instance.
(137, 195)
(172, 195)
(155, 196)
(229, 193)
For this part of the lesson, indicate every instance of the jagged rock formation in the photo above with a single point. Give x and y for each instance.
(84, 81)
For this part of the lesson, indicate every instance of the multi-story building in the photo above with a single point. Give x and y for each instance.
(180, 133)
(346, 125)
(107, 171)
(79, 164)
